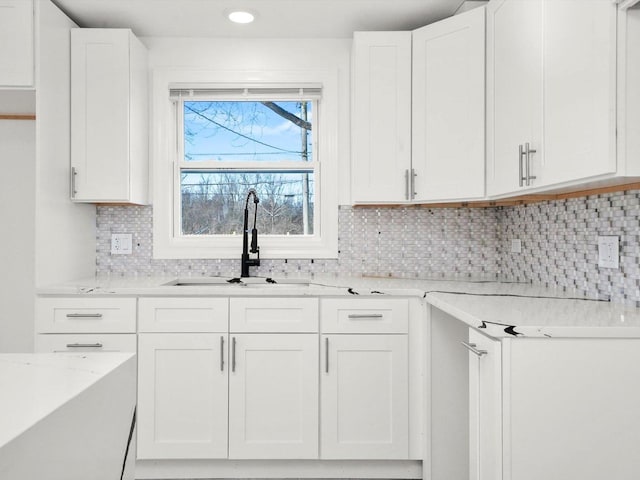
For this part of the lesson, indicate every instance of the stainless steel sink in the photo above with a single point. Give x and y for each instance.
(249, 282)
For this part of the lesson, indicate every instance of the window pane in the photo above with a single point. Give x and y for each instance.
(247, 131)
(213, 202)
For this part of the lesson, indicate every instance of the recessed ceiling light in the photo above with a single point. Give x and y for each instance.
(240, 16)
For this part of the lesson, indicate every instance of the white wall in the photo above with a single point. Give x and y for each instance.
(65, 232)
(17, 244)
(266, 54)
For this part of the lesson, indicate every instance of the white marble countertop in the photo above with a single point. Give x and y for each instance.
(499, 309)
(34, 385)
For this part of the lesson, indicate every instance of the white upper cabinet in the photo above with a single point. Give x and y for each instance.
(16, 43)
(514, 92)
(418, 112)
(381, 116)
(579, 114)
(448, 108)
(551, 93)
(109, 139)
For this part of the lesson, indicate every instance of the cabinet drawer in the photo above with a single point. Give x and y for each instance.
(85, 315)
(258, 315)
(364, 315)
(86, 342)
(183, 314)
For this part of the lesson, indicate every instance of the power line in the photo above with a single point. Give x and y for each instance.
(238, 133)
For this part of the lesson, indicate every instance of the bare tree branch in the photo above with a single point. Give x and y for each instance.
(288, 115)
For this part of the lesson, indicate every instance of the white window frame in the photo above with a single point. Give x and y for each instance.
(167, 241)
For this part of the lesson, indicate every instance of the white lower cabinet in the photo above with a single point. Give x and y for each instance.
(485, 407)
(532, 408)
(364, 384)
(85, 342)
(259, 388)
(81, 324)
(182, 395)
(570, 408)
(273, 396)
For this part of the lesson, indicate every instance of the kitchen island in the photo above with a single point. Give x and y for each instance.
(66, 416)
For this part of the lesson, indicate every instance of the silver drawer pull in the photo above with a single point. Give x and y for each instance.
(356, 316)
(472, 348)
(84, 315)
(326, 354)
(84, 345)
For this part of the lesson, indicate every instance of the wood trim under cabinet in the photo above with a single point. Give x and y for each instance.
(17, 117)
(514, 201)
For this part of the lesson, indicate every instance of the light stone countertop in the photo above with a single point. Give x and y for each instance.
(499, 309)
(34, 385)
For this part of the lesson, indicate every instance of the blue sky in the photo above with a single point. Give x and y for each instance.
(246, 131)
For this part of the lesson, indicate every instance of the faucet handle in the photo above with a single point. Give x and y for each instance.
(254, 240)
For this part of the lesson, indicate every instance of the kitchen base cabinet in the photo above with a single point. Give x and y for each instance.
(485, 406)
(182, 395)
(364, 384)
(273, 396)
(86, 342)
(571, 409)
(535, 408)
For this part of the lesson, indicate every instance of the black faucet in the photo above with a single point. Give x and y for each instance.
(247, 262)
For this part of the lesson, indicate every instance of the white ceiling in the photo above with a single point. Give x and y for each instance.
(275, 18)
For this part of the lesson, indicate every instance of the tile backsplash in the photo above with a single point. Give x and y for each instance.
(559, 245)
(399, 242)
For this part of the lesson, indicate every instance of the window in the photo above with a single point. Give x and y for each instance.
(230, 138)
(229, 146)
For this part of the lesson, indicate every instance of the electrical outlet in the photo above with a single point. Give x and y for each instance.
(516, 245)
(121, 243)
(608, 251)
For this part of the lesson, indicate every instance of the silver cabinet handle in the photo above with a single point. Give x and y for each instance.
(528, 151)
(84, 345)
(406, 185)
(472, 348)
(74, 173)
(356, 316)
(521, 177)
(413, 183)
(222, 354)
(84, 315)
(326, 354)
(233, 354)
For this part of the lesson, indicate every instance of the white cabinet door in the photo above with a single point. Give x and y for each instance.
(381, 116)
(16, 43)
(449, 108)
(273, 396)
(364, 385)
(514, 92)
(579, 89)
(571, 409)
(182, 395)
(551, 84)
(485, 407)
(108, 116)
